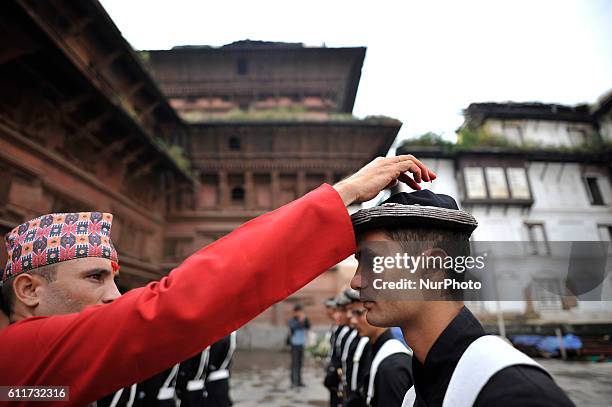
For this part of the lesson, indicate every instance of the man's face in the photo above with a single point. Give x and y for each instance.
(381, 313)
(78, 284)
(357, 318)
(340, 316)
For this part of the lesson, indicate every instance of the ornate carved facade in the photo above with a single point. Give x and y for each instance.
(268, 122)
(83, 127)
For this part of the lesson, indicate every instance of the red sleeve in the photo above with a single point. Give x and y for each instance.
(212, 293)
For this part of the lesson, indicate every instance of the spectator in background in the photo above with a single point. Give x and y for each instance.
(298, 325)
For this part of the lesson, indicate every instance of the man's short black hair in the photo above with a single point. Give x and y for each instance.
(456, 243)
(297, 307)
(453, 241)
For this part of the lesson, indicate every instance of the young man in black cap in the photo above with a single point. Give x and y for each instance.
(359, 360)
(332, 335)
(455, 363)
(333, 377)
(388, 377)
(348, 351)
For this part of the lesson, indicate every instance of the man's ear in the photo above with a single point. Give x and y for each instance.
(25, 288)
(434, 252)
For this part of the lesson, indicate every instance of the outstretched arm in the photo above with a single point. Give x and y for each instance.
(214, 292)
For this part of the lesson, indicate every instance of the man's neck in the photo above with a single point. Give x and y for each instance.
(422, 332)
(375, 334)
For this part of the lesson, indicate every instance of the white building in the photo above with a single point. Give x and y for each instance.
(550, 182)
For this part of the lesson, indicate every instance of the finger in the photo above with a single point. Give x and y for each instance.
(402, 166)
(432, 175)
(416, 170)
(423, 167)
(410, 166)
(409, 181)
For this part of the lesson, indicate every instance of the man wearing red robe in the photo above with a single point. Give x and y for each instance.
(70, 326)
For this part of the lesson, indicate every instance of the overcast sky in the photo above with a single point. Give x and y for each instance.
(425, 60)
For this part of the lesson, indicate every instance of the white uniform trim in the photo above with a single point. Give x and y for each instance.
(356, 359)
(223, 372)
(130, 402)
(218, 375)
(116, 398)
(118, 394)
(167, 391)
(489, 354)
(409, 397)
(197, 383)
(338, 343)
(230, 352)
(345, 352)
(391, 347)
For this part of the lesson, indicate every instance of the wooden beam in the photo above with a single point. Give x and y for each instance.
(74, 103)
(96, 123)
(109, 59)
(77, 27)
(82, 132)
(148, 110)
(143, 170)
(7, 55)
(116, 145)
(131, 91)
(133, 155)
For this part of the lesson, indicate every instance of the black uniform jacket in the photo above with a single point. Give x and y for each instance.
(512, 386)
(393, 378)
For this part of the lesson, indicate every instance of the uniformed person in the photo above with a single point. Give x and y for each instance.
(191, 381)
(388, 378)
(146, 393)
(58, 287)
(330, 306)
(359, 360)
(344, 344)
(333, 379)
(348, 350)
(330, 378)
(455, 363)
(343, 341)
(122, 398)
(202, 380)
(218, 372)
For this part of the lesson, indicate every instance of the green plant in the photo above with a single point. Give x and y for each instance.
(429, 139)
(468, 138)
(176, 153)
(144, 56)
